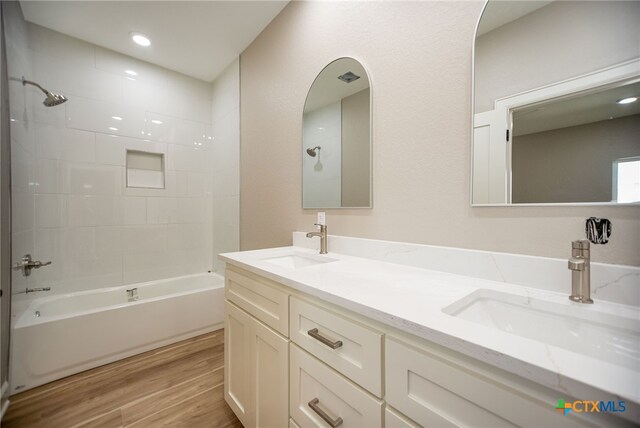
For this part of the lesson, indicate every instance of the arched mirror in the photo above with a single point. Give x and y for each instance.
(336, 138)
(556, 112)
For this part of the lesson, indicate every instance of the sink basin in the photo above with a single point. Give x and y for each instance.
(298, 260)
(581, 329)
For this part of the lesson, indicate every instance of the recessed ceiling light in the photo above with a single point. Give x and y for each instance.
(140, 39)
(627, 100)
(156, 121)
(131, 72)
(113, 128)
(116, 117)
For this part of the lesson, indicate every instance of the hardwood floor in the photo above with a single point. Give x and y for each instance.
(179, 385)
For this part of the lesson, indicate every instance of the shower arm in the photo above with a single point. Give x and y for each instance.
(25, 82)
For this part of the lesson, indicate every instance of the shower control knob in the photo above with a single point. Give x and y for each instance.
(26, 264)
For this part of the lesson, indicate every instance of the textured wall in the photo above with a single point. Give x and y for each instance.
(419, 58)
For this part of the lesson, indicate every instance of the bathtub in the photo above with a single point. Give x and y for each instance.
(58, 336)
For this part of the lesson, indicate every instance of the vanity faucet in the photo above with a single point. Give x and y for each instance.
(579, 264)
(323, 237)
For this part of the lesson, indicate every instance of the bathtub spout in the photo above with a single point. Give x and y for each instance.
(132, 295)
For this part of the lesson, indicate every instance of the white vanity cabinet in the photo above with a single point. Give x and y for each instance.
(295, 360)
(256, 356)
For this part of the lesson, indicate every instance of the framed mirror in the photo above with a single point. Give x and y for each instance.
(336, 138)
(556, 115)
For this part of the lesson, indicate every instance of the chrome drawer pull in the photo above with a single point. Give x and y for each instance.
(333, 345)
(314, 406)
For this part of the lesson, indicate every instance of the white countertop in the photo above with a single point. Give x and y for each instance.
(412, 299)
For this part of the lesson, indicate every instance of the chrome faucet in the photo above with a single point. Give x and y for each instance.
(132, 295)
(323, 237)
(26, 263)
(579, 263)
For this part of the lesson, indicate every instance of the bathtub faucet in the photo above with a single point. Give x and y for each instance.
(132, 294)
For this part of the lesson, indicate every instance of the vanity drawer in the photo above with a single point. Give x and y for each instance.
(314, 385)
(358, 349)
(435, 389)
(266, 302)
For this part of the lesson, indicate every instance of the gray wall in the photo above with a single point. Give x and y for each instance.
(356, 151)
(561, 40)
(572, 164)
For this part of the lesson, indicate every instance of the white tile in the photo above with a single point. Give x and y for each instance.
(51, 210)
(91, 210)
(183, 158)
(135, 210)
(144, 239)
(22, 170)
(54, 142)
(147, 267)
(48, 176)
(146, 96)
(23, 207)
(119, 64)
(160, 210)
(186, 236)
(189, 210)
(111, 149)
(108, 241)
(91, 179)
(199, 183)
(97, 116)
(174, 130)
(70, 49)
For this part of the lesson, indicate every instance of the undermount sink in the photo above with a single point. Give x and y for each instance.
(611, 338)
(298, 260)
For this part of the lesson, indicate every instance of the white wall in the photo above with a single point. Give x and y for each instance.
(226, 163)
(322, 174)
(71, 203)
(418, 56)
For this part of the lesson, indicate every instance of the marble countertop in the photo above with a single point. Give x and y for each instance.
(412, 300)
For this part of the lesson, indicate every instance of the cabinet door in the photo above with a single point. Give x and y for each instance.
(271, 377)
(237, 361)
(256, 364)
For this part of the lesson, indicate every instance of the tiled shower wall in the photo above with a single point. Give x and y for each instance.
(71, 203)
(226, 163)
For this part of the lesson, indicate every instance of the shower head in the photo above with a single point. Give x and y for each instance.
(51, 99)
(312, 152)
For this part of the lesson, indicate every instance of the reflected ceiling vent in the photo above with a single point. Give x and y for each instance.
(348, 77)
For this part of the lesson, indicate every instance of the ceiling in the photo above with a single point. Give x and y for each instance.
(197, 38)
(586, 108)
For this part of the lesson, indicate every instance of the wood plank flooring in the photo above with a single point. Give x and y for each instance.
(179, 385)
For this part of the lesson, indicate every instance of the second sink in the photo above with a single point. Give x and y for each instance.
(607, 337)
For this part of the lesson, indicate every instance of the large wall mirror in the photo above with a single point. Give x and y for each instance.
(336, 138)
(556, 111)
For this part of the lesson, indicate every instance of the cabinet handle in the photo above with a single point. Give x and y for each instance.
(332, 423)
(333, 345)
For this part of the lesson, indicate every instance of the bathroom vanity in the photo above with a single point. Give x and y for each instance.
(337, 340)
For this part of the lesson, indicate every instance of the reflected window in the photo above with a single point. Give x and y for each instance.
(626, 180)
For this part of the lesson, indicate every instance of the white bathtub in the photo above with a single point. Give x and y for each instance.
(61, 335)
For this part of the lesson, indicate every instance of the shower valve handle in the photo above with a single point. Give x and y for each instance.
(26, 264)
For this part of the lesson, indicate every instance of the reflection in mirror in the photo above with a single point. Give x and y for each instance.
(336, 138)
(548, 125)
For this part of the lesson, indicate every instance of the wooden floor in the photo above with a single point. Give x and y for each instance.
(180, 385)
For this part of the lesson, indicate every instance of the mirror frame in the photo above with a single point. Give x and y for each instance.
(471, 163)
(370, 206)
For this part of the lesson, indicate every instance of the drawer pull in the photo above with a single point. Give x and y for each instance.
(314, 406)
(333, 345)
